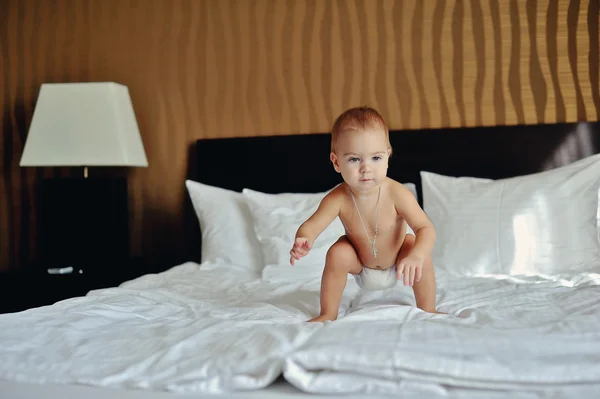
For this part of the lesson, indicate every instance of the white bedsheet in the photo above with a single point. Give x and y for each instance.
(502, 336)
(212, 329)
(185, 330)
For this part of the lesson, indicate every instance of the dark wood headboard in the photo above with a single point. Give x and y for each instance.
(300, 163)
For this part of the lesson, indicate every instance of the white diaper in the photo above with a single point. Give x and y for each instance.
(373, 279)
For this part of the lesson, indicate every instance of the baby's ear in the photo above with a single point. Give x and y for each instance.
(335, 161)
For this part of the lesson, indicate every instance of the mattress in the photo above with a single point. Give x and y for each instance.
(199, 330)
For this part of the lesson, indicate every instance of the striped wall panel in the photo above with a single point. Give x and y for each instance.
(211, 68)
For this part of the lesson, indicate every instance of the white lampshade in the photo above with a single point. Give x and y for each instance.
(84, 124)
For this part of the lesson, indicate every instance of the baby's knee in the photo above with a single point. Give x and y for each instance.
(342, 255)
(341, 250)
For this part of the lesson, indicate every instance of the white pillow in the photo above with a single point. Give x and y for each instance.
(543, 224)
(226, 226)
(276, 218)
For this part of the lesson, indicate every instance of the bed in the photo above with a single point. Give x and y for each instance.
(517, 267)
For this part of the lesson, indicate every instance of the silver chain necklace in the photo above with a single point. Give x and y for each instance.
(373, 249)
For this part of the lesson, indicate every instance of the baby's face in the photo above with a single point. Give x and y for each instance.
(361, 156)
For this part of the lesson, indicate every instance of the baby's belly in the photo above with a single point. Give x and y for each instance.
(387, 249)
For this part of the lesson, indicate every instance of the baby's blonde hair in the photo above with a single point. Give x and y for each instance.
(358, 118)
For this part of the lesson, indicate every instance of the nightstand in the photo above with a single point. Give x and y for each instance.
(34, 286)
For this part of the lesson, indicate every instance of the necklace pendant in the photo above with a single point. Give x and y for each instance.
(374, 250)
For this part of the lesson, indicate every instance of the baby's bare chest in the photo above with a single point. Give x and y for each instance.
(387, 221)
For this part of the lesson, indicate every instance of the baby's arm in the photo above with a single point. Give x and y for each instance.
(307, 233)
(416, 267)
(408, 208)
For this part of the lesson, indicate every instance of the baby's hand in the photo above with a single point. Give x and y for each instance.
(411, 267)
(300, 249)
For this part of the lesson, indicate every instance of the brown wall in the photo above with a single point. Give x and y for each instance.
(202, 68)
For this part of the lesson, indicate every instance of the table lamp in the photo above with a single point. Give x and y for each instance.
(83, 219)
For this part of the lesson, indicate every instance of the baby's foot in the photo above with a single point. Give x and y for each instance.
(435, 312)
(322, 319)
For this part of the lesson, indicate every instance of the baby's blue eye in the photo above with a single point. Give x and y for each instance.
(353, 159)
(376, 158)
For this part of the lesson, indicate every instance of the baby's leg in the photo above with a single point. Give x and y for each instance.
(424, 289)
(341, 259)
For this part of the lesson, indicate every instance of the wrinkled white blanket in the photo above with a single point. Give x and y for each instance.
(502, 336)
(218, 328)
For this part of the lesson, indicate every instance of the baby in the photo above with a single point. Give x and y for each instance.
(375, 211)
